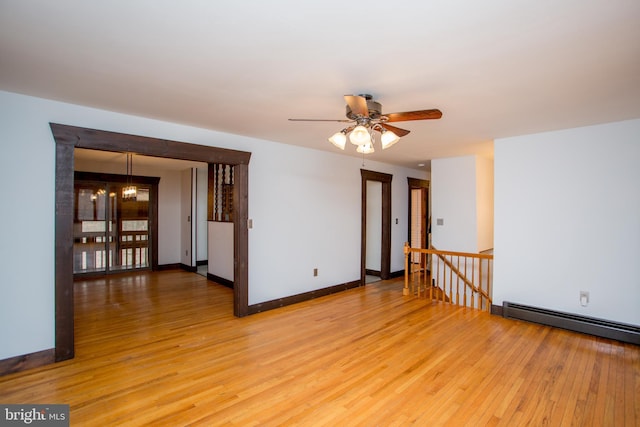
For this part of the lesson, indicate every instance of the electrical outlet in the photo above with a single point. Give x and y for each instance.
(584, 298)
(315, 272)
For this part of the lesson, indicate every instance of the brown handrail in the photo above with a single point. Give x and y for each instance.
(456, 273)
(460, 274)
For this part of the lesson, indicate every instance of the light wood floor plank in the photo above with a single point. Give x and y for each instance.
(165, 349)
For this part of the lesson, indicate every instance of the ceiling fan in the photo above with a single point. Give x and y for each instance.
(365, 116)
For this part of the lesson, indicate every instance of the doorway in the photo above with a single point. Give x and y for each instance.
(67, 138)
(201, 224)
(385, 226)
(419, 220)
(373, 259)
(114, 231)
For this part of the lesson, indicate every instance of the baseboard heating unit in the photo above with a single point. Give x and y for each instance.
(573, 322)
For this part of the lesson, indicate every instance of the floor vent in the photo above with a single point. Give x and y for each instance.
(573, 322)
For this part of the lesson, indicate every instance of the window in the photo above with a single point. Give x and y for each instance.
(111, 232)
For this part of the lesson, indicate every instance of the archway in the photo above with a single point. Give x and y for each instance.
(68, 138)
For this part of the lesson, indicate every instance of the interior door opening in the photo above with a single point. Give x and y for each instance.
(113, 231)
(385, 214)
(374, 231)
(419, 223)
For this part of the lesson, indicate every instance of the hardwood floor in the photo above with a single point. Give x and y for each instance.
(165, 349)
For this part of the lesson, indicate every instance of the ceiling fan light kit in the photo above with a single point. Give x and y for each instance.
(339, 139)
(366, 114)
(388, 138)
(360, 136)
(365, 148)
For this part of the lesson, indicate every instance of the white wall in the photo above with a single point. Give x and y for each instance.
(314, 197)
(484, 202)
(221, 249)
(27, 171)
(567, 218)
(462, 196)
(305, 206)
(453, 199)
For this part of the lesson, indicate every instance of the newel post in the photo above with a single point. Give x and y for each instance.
(405, 290)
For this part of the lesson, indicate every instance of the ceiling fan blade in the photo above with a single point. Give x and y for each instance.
(358, 105)
(397, 131)
(414, 115)
(321, 120)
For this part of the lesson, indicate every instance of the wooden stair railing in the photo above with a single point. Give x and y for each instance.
(459, 278)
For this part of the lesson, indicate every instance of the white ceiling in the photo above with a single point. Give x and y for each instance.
(494, 68)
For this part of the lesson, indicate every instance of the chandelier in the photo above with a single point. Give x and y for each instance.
(129, 191)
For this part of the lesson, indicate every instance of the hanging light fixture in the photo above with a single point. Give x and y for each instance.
(360, 136)
(367, 118)
(129, 191)
(366, 148)
(339, 139)
(368, 122)
(363, 136)
(388, 138)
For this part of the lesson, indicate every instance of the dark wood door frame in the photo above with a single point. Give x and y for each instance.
(385, 264)
(68, 138)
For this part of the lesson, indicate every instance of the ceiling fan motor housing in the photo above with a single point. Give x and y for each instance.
(374, 107)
